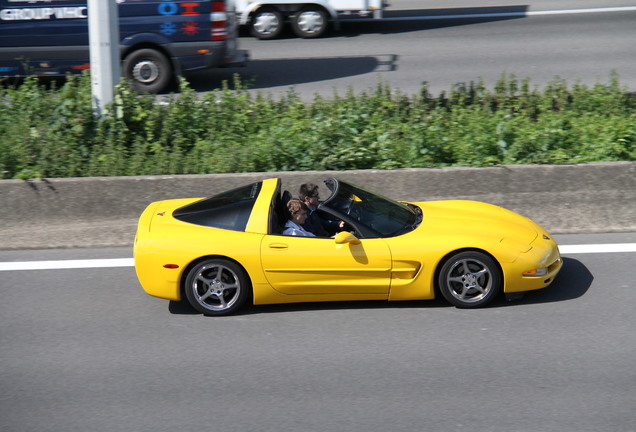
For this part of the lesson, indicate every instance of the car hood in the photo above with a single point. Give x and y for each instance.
(477, 218)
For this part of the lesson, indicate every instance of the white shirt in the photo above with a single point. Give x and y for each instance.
(291, 229)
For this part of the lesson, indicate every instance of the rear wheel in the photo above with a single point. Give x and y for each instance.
(470, 279)
(310, 22)
(267, 23)
(148, 70)
(217, 287)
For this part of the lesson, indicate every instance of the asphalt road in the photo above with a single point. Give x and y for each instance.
(86, 350)
(539, 40)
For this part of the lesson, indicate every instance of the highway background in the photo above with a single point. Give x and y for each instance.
(583, 47)
(87, 350)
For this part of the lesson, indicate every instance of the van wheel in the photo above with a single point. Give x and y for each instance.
(310, 22)
(148, 70)
(267, 23)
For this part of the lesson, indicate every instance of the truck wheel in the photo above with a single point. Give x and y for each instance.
(310, 22)
(148, 70)
(267, 23)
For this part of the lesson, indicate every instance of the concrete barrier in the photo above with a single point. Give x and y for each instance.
(102, 212)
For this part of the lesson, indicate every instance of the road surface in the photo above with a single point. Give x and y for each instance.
(425, 41)
(84, 349)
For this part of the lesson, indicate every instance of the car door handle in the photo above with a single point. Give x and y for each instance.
(278, 246)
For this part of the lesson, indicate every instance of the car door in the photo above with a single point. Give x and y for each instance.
(310, 265)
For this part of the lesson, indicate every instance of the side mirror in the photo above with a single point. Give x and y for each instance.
(346, 237)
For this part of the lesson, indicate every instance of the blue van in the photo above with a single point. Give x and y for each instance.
(158, 39)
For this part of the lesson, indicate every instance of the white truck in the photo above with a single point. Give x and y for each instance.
(308, 18)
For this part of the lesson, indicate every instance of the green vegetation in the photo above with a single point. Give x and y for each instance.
(51, 132)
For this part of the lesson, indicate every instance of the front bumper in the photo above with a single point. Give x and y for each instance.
(543, 254)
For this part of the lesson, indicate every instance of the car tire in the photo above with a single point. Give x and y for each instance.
(267, 23)
(217, 287)
(148, 70)
(310, 22)
(470, 279)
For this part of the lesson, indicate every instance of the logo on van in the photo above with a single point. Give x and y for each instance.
(189, 9)
(45, 13)
(190, 28)
(168, 28)
(168, 9)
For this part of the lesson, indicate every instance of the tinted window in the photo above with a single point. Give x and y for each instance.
(228, 210)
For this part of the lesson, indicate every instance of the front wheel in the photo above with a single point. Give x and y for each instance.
(148, 70)
(470, 279)
(217, 287)
(310, 22)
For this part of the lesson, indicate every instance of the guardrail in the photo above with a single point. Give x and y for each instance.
(102, 212)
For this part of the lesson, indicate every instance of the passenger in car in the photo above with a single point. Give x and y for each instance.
(298, 211)
(308, 193)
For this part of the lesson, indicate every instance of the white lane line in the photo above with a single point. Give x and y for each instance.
(511, 14)
(67, 264)
(597, 248)
(129, 262)
(579, 11)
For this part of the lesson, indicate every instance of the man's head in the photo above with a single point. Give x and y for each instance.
(308, 193)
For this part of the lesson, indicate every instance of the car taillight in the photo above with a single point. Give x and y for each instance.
(219, 21)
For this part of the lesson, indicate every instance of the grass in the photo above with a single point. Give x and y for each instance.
(51, 132)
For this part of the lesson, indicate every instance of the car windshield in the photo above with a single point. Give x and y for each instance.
(372, 214)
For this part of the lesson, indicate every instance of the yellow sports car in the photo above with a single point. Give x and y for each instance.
(222, 251)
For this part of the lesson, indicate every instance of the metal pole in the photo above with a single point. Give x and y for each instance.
(103, 36)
